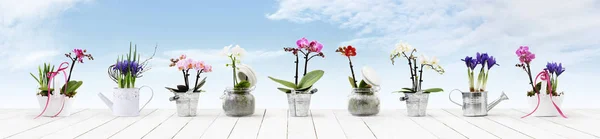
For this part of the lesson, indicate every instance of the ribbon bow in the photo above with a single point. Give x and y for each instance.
(51, 76)
(545, 76)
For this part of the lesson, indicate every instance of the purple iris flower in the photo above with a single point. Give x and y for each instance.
(470, 62)
(491, 61)
(559, 69)
(482, 58)
(128, 67)
(551, 67)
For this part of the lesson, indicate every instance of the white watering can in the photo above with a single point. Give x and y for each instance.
(126, 101)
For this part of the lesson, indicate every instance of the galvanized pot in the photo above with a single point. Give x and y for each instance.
(416, 103)
(187, 103)
(363, 102)
(299, 103)
(475, 103)
(237, 103)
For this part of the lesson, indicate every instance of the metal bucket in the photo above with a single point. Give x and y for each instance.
(299, 103)
(416, 103)
(187, 103)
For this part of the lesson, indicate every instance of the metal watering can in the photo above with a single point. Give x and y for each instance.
(126, 101)
(475, 103)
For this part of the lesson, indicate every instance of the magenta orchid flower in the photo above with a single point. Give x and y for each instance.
(525, 56)
(315, 46)
(302, 43)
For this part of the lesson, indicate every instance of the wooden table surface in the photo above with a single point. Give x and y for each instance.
(275, 124)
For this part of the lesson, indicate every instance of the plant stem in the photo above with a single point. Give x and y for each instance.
(352, 70)
(71, 70)
(411, 71)
(234, 75)
(306, 62)
(296, 76)
(530, 78)
(184, 78)
(197, 77)
(420, 78)
(415, 74)
(471, 80)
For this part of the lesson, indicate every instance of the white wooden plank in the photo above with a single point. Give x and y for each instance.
(327, 125)
(55, 126)
(274, 125)
(586, 113)
(392, 124)
(353, 127)
(435, 127)
(221, 128)
(576, 121)
(490, 126)
(463, 127)
(198, 125)
(169, 128)
(142, 127)
(301, 128)
(11, 113)
(549, 126)
(26, 122)
(73, 131)
(114, 126)
(499, 117)
(248, 127)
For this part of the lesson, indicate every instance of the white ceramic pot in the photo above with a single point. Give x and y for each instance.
(546, 108)
(126, 101)
(55, 105)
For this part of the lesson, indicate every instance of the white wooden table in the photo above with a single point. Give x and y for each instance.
(275, 124)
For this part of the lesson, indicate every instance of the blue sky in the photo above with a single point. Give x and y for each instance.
(33, 32)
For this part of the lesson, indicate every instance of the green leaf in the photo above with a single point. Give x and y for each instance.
(407, 89)
(284, 90)
(351, 80)
(433, 90)
(284, 83)
(72, 87)
(310, 78)
(199, 85)
(242, 85)
(403, 91)
(36, 79)
(363, 84)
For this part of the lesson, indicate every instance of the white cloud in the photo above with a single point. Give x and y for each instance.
(26, 31)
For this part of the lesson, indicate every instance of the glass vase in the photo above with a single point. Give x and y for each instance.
(363, 102)
(237, 103)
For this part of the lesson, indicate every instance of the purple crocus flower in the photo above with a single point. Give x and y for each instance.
(470, 62)
(491, 61)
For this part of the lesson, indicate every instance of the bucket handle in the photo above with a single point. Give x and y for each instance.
(152, 91)
(450, 97)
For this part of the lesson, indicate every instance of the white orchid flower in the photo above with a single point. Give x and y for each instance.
(434, 61)
(424, 59)
(402, 47)
(238, 51)
(225, 52)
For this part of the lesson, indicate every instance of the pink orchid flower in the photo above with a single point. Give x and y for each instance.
(302, 43)
(525, 56)
(79, 55)
(207, 68)
(315, 46)
(199, 65)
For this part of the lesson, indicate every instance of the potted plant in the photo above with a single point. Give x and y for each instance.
(416, 98)
(362, 101)
(125, 72)
(475, 101)
(237, 100)
(186, 95)
(59, 104)
(547, 103)
(299, 93)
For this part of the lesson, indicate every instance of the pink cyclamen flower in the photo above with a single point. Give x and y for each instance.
(207, 68)
(199, 65)
(315, 46)
(79, 55)
(302, 43)
(525, 56)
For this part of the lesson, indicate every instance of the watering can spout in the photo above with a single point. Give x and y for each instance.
(495, 102)
(106, 100)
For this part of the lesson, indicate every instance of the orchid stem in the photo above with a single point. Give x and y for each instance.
(352, 70)
(296, 76)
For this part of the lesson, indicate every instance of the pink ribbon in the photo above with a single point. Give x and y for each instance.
(545, 76)
(51, 76)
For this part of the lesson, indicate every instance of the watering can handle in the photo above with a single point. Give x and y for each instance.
(450, 97)
(152, 91)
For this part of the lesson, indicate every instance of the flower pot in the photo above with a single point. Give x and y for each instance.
(55, 106)
(299, 103)
(238, 103)
(546, 108)
(475, 103)
(416, 103)
(363, 102)
(187, 103)
(126, 101)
